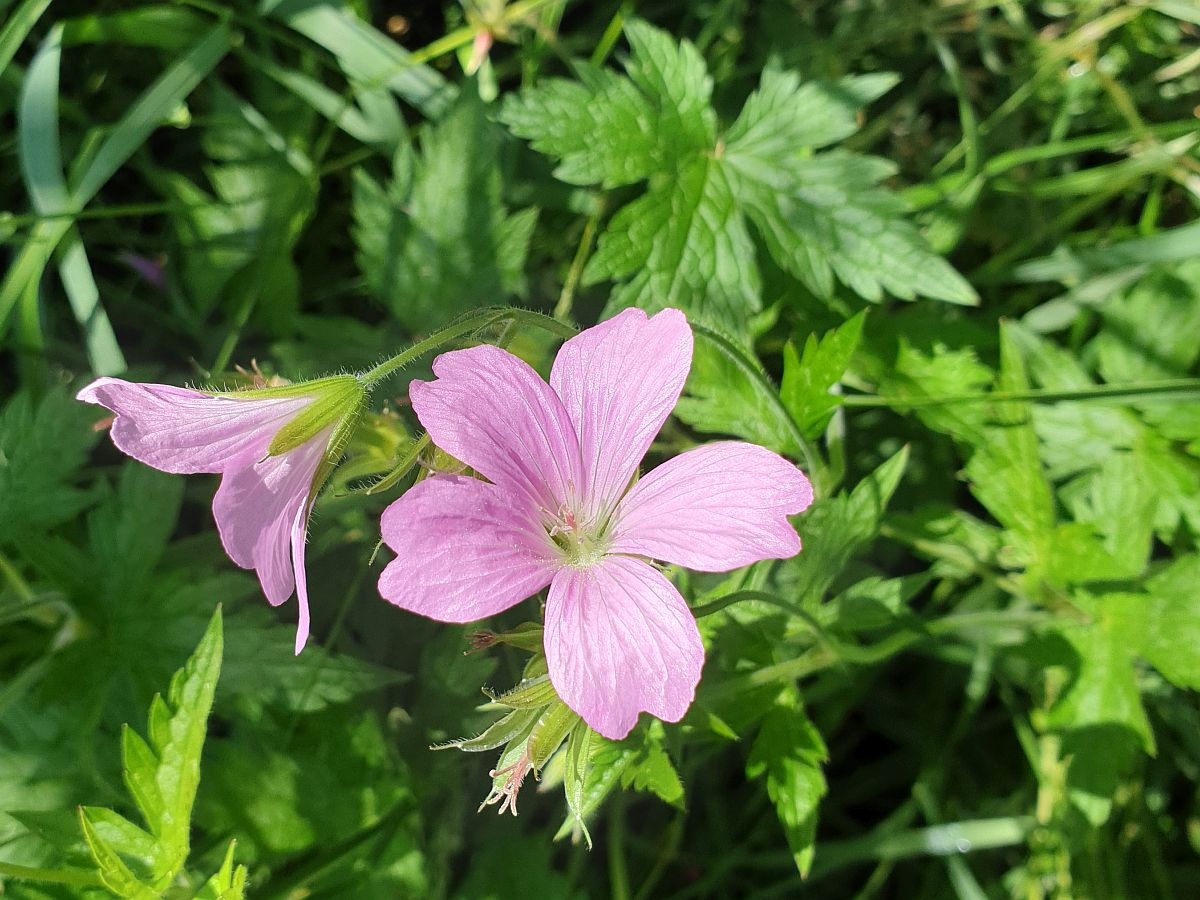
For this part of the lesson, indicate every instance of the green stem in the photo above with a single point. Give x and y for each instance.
(562, 309)
(19, 585)
(402, 467)
(1099, 392)
(715, 606)
(618, 873)
(730, 350)
(459, 328)
(73, 877)
(463, 36)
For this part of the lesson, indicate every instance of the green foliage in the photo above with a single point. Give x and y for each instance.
(976, 680)
(686, 241)
(43, 445)
(808, 378)
(788, 752)
(437, 240)
(162, 774)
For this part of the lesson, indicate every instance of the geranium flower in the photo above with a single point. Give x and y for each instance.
(562, 510)
(269, 445)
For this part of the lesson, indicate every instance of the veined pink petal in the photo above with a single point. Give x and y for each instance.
(299, 538)
(619, 640)
(715, 508)
(184, 431)
(619, 381)
(465, 550)
(492, 411)
(261, 509)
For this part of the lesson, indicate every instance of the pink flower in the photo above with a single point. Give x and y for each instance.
(560, 510)
(268, 444)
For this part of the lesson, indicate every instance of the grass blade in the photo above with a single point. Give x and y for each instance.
(15, 30)
(40, 156)
(149, 110)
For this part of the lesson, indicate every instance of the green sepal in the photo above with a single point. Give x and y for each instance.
(551, 730)
(513, 726)
(576, 761)
(283, 391)
(335, 400)
(531, 693)
(338, 443)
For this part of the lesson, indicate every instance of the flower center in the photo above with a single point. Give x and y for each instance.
(582, 545)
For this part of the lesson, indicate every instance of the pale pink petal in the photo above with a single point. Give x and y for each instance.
(620, 640)
(184, 431)
(619, 381)
(299, 538)
(718, 507)
(492, 411)
(465, 550)
(258, 509)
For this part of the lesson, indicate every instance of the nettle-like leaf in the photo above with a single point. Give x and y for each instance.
(686, 242)
(788, 752)
(162, 774)
(437, 240)
(43, 445)
(809, 378)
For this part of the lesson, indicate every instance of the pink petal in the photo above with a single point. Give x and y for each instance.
(465, 550)
(619, 381)
(719, 507)
(619, 640)
(492, 411)
(261, 509)
(185, 431)
(299, 539)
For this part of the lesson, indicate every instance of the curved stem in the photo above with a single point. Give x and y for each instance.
(1098, 392)
(460, 327)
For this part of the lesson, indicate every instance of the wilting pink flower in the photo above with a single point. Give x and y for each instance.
(560, 510)
(269, 476)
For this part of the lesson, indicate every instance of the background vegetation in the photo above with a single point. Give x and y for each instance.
(948, 256)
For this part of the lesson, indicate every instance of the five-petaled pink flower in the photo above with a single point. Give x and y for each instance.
(562, 510)
(269, 446)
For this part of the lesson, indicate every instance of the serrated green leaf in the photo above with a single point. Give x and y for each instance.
(178, 776)
(163, 775)
(652, 771)
(139, 764)
(788, 751)
(1005, 470)
(114, 873)
(43, 445)
(600, 128)
(1172, 622)
(1150, 328)
(943, 372)
(785, 117)
(727, 392)
(685, 242)
(829, 218)
(437, 240)
(807, 379)
(835, 528)
(1101, 714)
